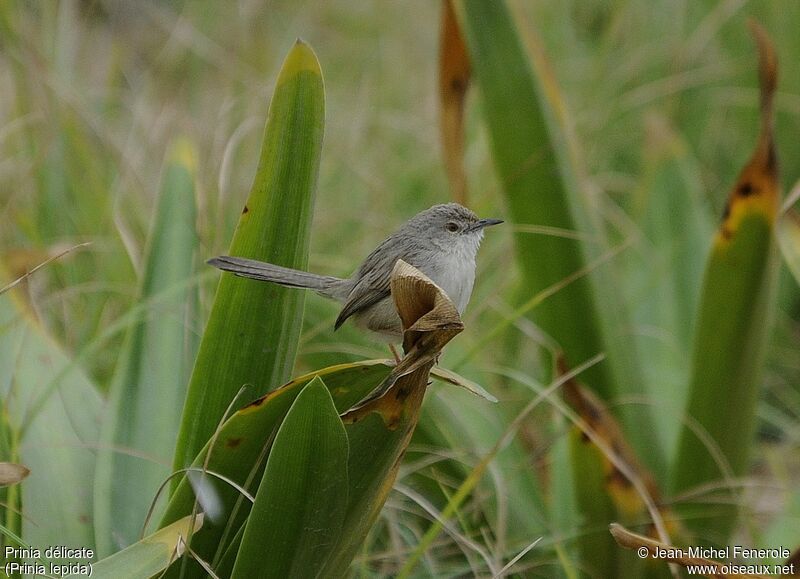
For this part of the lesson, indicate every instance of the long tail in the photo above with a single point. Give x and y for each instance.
(326, 285)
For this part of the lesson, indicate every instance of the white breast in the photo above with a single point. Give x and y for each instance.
(455, 274)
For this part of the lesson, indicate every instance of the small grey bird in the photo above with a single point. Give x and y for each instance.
(441, 242)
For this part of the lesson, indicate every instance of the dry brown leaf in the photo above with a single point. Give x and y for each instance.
(669, 553)
(12, 473)
(430, 320)
(454, 76)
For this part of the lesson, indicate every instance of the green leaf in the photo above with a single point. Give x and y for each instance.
(149, 556)
(301, 501)
(56, 443)
(664, 276)
(253, 329)
(375, 453)
(535, 157)
(782, 530)
(591, 492)
(149, 385)
(528, 157)
(239, 444)
(239, 451)
(736, 310)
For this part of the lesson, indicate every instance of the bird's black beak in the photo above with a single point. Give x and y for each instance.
(481, 223)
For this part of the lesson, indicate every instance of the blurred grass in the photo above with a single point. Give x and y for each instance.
(148, 389)
(91, 93)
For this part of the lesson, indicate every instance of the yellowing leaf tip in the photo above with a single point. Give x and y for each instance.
(182, 152)
(301, 58)
(757, 191)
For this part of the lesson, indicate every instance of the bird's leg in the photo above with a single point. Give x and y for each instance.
(394, 353)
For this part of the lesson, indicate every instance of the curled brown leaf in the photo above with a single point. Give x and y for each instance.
(12, 473)
(430, 320)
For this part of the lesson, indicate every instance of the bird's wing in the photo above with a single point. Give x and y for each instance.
(371, 289)
(375, 273)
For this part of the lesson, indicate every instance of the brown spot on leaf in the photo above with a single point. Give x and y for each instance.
(257, 402)
(615, 478)
(245, 210)
(402, 392)
(458, 84)
(746, 189)
(234, 442)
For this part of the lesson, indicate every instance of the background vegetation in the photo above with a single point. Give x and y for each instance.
(658, 97)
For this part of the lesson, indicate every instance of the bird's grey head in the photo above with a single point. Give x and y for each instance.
(451, 227)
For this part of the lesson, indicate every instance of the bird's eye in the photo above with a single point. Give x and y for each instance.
(452, 226)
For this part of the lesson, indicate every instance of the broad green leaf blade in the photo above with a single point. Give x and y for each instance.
(238, 452)
(736, 310)
(664, 274)
(149, 556)
(57, 444)
(241, 439)
(590, 492)
(535, 158)
(149, 385)
(677, 221)
(527, 154)
(375, 454)
(300, 505)
(253, 330)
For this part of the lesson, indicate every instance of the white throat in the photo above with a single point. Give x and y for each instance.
(454, 270)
